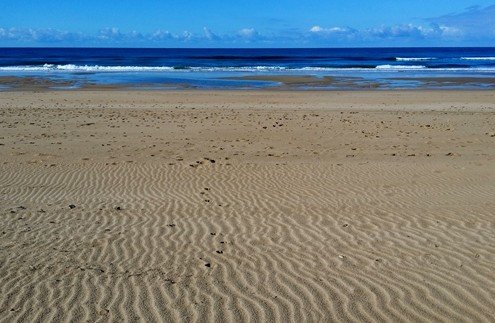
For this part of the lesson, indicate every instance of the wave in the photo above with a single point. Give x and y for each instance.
(478, 58)
(400, 67)
(71, 68)
(289, 57)
(243, 57)
(99, 68)
(438, 68)
(414, 59)
(85, 68)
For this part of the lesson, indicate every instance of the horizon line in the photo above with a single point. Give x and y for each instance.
(350, 47)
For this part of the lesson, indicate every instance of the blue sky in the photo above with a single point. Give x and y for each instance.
(247, 23)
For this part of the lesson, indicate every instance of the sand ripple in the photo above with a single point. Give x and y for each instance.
(279, 245)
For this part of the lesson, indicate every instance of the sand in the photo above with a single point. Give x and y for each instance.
(247, 206)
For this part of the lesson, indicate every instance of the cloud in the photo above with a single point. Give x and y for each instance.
(473, 17)
(415, 32)
(474, 22)
(449, 31)
(209, 34)
(161, 35)
(104, 36)
(186, 35)
(248, 34)
(336, 33)
(112, 34)
(400, 31)
(115, 36)
(38, 35)
(429, 32)
(331, 30)
(473, 26)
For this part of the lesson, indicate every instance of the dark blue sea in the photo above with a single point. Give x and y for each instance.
(380, 68)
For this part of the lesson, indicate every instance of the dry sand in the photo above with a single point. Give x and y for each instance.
(247, 206)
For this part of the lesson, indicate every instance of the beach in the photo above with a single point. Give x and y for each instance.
(258, 205)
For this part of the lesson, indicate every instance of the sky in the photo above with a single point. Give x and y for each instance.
(246, 23)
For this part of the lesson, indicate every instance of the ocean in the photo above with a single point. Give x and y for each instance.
(377, 68)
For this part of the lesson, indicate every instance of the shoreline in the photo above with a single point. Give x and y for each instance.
(281, 82)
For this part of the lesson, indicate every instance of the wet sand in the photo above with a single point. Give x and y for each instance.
(294, 82)
(271, 83)
(256, 205)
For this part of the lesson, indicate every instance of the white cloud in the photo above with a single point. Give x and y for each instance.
(396, 31)
(316, 29)
(110, 34)
(451, 31)
(415, 32)
(209, 34)
(332, 30)
(115, 35)
(248, 33)
(186, 35)
(160, 35)
(341, 33)
(104, 36)
(474, 26)
(38, 35)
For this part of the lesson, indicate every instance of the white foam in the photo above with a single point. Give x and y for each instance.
(478, 58)
(86, 68)
(169, 69)
(400, 67)
(238, 69)
(414, 59)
